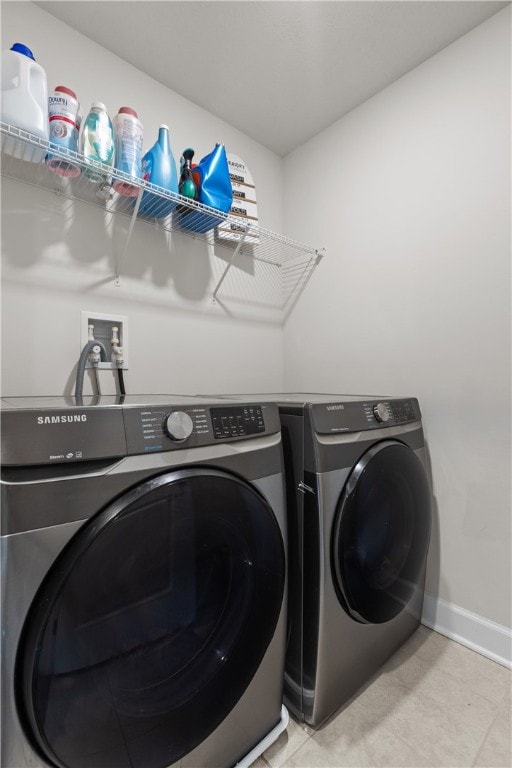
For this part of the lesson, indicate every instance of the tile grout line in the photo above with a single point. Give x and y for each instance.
(479, 751)
(450, 674)
(308, 736)
(403, 741)
(429, 698)
(380, 722)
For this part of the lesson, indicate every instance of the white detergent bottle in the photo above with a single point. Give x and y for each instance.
(24, 102)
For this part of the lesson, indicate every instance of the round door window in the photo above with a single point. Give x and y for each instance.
(152, 623)
(381, 533)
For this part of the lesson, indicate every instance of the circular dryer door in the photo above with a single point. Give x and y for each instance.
(381, 533)
(152, 622)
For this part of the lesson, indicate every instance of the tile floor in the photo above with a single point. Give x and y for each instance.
(435, 703)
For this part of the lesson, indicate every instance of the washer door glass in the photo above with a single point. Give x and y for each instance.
(381, 533)
(152, 623)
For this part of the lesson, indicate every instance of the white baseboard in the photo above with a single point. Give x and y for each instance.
(481, 635)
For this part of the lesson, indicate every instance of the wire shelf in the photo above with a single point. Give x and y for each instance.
(30, 159)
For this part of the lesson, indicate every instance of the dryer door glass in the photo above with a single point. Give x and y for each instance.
(152, 623)
(381, 533)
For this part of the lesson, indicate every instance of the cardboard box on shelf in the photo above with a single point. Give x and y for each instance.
(243, 208)
(238, 170)
(243, 192)
(231, 232)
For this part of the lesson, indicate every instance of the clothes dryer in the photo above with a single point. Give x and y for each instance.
(143, 581)
(359, 520)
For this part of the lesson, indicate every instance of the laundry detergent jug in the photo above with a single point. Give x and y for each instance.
(159, 168)
(24, 103)
(213, 183)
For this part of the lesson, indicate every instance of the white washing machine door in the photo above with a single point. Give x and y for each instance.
(152, 623)
(381, 533)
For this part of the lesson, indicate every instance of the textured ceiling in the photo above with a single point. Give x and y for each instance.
(278, 71)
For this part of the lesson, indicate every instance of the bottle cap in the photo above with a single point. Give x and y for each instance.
(20, 48)
(98, 105)
(164, 126)
(128, 111)
(63, 89)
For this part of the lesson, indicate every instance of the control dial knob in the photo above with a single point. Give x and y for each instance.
(381, 412)
(178, 425)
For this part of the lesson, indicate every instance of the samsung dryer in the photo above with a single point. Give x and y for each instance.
(359, 520)
(143, 581)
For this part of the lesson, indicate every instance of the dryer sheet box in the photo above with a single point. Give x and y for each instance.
(244, 206)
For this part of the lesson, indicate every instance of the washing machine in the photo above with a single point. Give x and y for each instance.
(143, 581)
(359, 521)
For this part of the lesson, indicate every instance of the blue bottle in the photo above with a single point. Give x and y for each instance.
(214, 189)
(159, 168)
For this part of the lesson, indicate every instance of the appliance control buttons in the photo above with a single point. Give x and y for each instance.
(381, 412)
(178, 425)
(237, 422)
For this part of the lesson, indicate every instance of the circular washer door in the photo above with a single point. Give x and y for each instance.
(152, 623)
(381, 533)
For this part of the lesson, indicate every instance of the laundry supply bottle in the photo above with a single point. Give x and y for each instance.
(97, 141)
(128, 132)
(187, 186)
(65, 116)
(159, 168)
(213, 189)
(24, 102)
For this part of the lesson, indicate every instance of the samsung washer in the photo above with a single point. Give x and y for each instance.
(143, 581)
(359, 520)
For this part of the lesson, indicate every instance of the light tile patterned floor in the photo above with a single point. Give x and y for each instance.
(435, 703)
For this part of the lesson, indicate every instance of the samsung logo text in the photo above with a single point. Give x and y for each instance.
(61, 419)
(335, 407)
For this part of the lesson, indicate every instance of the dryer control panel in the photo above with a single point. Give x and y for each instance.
(329, 418)
(165, 429)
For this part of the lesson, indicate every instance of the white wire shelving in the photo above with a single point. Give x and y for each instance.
(236, 240)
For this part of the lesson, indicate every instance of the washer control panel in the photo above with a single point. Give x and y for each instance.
(237, 422)
(178, 425)
(163, 428)
(57, 430)
(352, 416)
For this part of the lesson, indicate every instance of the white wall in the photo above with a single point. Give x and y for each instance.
(410, 195)
(58, 259)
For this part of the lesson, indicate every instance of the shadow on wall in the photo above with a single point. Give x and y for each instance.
(166, 257)
(40, 228)
(32, 221)
(74, 246)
